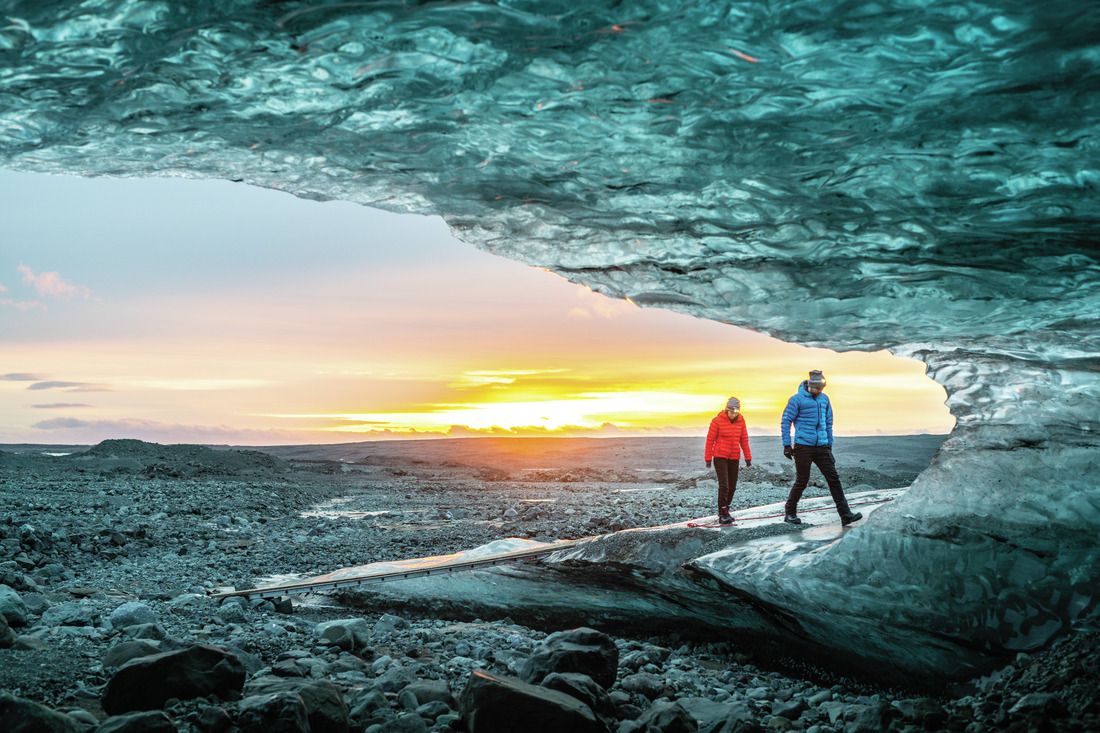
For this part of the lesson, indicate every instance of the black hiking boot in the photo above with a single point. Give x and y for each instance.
(851, 517)
(724, 516)
(792, 519)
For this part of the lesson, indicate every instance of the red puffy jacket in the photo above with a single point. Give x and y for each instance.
(727, 439)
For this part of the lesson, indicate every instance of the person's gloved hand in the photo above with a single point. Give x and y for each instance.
(708, 464)
(788, 453)
(748, 463)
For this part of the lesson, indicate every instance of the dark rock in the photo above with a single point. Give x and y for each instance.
(24, 716)
(638, 658)
(432, 710)
(387, 624)
(131, 613)
(917, 709)
(346, 633)
(408, 723)
(50, 570)
(663, 717)
(152, 632)
(1039, 704)
(367, 704)
(290, 668)
(339, 637)
(645, 683)
(36, 603)
(211, 719)
(869, 718)
(279, 712)
(583, 650)
(123, 652)
(432, 691)
(146, 683)
(325, 707)
(407, 700)
(708, 712)
(7, 636)
(790, 710)
(738, 721)
(150, 721)
(585, 689)
(82, 717)
(74, 613)
(12, 607)
(29, 644)
(232, 613)
(491, 704)
(447, 723)
(395, 678)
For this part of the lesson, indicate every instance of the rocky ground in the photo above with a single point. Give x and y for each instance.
(106, 559)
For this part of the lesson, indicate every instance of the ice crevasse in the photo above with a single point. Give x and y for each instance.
(914, 176)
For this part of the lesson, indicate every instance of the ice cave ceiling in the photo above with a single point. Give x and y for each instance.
(919, 176)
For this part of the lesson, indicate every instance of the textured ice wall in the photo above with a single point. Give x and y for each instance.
(918, 176)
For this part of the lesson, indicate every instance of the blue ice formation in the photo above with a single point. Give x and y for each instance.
(912, 176)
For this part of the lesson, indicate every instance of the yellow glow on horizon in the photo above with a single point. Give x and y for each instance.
(587, 410)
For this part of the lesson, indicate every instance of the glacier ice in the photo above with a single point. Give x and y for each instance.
(919, 176)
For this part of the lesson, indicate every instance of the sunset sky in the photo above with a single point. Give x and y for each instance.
(206, 311)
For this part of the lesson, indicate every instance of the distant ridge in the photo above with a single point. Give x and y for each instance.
(126, 455)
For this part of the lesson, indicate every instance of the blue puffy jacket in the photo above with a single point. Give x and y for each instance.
(812, 418)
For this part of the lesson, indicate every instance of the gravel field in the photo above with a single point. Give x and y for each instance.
(106, 557)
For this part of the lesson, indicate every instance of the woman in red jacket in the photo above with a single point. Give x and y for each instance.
(727, 438)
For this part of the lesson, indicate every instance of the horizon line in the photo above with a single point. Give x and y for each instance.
(461, 437)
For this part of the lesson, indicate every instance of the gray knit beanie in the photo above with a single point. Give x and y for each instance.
(733, 404)
(817, 379)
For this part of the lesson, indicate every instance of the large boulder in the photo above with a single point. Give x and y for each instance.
(146, 721)
(12, 607)
(323, 702)
(131, 613)
(279, 712)
(25, 716)
(146, 683)
(494, 704)
(583, 651)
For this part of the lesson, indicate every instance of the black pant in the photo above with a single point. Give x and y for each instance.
(727, 469)
(822, 455)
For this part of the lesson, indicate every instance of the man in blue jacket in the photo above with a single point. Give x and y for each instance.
(812, 416)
